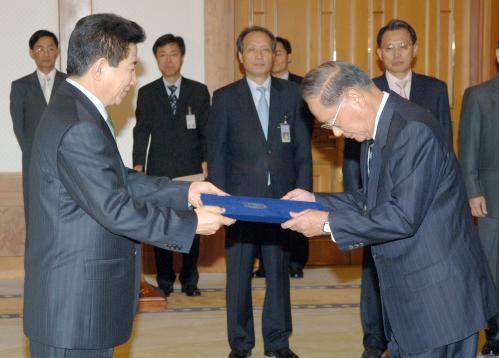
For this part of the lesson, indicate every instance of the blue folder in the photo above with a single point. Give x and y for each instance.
(254, 209)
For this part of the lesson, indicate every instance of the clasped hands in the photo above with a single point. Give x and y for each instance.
(308, 222)
(210, 218)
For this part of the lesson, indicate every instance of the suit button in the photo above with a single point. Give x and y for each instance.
(135, 252)
(269, 151)
(364, 208)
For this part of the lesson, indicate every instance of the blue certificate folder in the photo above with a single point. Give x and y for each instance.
(263, 210)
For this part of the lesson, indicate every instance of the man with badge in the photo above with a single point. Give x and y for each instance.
(172, 111)
(258, 145)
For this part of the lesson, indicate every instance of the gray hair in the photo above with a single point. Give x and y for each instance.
(246, 31)
(331, 80)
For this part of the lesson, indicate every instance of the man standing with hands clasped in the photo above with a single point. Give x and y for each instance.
(436, 288)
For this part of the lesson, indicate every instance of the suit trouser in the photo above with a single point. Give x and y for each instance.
(241, 243)
(298, 252)
(489, 237)
(39, 350)
(371, 313)
(465, 348)
(189, 275)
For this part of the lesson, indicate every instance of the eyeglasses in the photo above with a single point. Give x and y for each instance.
(331, 125)
(50, 50)
(402, 46)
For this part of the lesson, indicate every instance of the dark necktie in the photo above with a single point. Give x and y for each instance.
(173, 98)
(369, 156)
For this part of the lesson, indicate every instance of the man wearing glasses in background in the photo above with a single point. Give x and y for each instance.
(397, 49)
(30, 94)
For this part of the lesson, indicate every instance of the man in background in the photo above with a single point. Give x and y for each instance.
(87, 211)
(30, 94)
(172, 111)
(397, 49)
(479, 159)
(258, 146)
(298, 243)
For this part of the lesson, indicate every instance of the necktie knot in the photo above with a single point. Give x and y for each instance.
(172, 98)
(401, 85)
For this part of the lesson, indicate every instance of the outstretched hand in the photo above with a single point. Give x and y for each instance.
(308, 222)
(210, 219)
(299, 194)
(202, 187)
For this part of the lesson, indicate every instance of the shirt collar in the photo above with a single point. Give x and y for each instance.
(380, 110)
(177, 84)
(97, 102)
(41, 75)
(391, 79)
(253, 85)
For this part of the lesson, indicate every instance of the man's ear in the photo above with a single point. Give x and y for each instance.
(98, 68)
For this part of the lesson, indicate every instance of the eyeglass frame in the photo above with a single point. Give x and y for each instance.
(49, 49)
(330, 125)
(401, 46)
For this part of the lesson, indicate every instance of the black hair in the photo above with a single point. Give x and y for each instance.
(168, 39)
(246, 31)
(396, 24)
(39, 34)
(101, 35)
(285, 43)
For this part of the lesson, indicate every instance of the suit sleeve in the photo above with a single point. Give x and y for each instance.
(91, 171)
(352, 180)
(17, 111)
(444, 113)
(203, 120)
(469, 143)
(142, 130)
(302, 149)
(217, 141)
(414, 168)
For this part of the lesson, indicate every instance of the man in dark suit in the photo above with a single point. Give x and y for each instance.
(172, 111)
(30, 94)
(397, 48)
(258, 146)
(298, 243)
(436, 288)
(479, 159)
(82, 263)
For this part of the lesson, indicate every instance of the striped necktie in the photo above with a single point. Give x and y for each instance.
(173, 98)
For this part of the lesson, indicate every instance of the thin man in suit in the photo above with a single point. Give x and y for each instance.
(172, 111)
(30, 94)
(479, 159)
(436, 288)
(87, 211)
(397, 49)
(298, 243)
(258, 146)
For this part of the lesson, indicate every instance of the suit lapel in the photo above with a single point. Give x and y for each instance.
(383, 83)
(35, 84)
(247, 106)
(59, 77)
(274, 109)
(417, 89)
(183, 98)
(162, 97)
(376, 165)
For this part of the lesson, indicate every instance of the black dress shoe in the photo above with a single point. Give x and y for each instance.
(166, 290)
(298, 273)
(258, 273)
(491, 348)
(239, 354)
(282, 353)
(191, 291)
(372, 352)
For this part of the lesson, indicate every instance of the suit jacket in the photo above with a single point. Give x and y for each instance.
(174, 150)
(239, 157)
(82, 262)
(429, 93)
(478, 149)
(27, 104)
(295, 78)
(435, 285)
